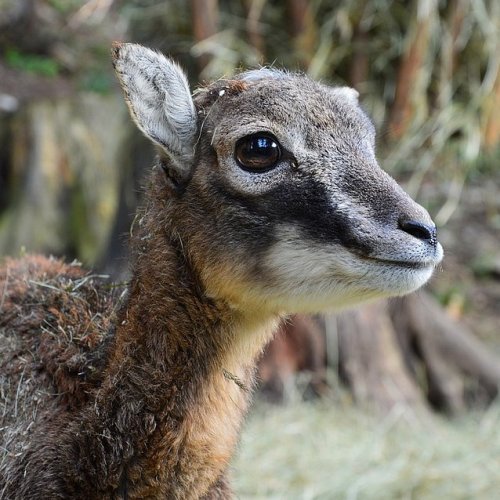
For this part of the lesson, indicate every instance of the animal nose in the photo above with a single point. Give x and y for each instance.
(420, 230)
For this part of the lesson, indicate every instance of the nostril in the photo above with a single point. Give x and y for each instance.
(420, 230)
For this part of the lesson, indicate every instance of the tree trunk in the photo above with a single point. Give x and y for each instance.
(65, 161)
(370, 360)
(404, 353)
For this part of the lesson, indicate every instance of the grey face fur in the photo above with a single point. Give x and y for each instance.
(324, 227)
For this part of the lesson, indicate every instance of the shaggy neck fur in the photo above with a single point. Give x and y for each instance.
(166, 417)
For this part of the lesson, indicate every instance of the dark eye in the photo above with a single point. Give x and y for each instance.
(257, 152)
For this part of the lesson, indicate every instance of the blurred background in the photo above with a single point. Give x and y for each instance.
(397, 399)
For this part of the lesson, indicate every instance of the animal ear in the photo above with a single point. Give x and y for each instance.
(348, 94)
(159, 100)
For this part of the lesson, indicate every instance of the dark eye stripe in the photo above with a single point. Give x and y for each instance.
(257, 152)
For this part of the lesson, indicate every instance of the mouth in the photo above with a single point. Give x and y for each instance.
(414, 265)
(429, 260)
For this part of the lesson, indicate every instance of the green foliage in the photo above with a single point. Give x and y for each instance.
(486, 165)
(78, 225)
(486, 266)
(98, 81)
(64, 6)
(31, 63)
(455, 294)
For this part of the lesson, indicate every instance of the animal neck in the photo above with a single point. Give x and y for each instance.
(178, 376)
(170, 320)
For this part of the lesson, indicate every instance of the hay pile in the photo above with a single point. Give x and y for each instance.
(336, 451)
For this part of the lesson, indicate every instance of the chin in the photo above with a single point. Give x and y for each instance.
(384, 281)
(402, 281)
(316, 279)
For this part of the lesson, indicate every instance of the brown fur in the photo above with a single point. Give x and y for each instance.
(59, 313)
(161, 417)
(147, 402)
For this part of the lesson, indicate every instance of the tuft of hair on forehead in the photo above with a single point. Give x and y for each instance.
(206, 95)
(264, 73)
(235, 86)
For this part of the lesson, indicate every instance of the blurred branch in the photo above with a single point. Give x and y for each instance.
(450, 48)
(453, 199)
(491, 108)
(15, 11)
(359, 68)
(411, 68)
(451, 343)
(205, 18)
(302, 28)
(253, 10)
(93, 10)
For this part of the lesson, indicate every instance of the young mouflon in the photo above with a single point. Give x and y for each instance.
(265, 199)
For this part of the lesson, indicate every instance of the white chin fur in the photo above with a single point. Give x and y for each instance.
(315, 277)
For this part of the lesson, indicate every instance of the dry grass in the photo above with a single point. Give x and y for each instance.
(327, 451)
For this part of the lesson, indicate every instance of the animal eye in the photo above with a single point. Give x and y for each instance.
(257, 152)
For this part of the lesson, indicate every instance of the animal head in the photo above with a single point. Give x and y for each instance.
(270, 179)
